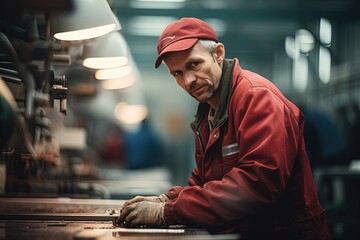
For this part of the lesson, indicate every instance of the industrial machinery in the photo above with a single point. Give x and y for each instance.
(42, 196)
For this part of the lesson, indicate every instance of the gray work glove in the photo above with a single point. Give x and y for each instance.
(143, 213)
(155, 199)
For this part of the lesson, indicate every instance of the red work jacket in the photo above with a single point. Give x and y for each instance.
(252, 173)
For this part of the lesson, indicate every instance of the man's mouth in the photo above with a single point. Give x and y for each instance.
(196, 89)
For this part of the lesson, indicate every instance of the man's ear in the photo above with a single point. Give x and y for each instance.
(219, 52)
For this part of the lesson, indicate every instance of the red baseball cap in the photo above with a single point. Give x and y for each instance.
(181, 35)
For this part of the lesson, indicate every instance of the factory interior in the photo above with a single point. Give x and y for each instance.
(87, 122)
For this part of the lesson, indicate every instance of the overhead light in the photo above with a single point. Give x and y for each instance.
(325, 32)
(148, 25)
(324, 64)
(120, 83)
(113, 73)
(290, 47)
(305, 40)
(88, 19)
(130, 114)
(157, 4)
(300, 73)
(217, 24)
(223, 4)
(154, 25)
(303, 43)
(108, 51)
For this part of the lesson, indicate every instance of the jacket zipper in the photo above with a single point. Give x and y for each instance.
(202, 173)
(200, 140)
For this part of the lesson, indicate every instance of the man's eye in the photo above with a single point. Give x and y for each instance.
(176, 73)
(194, 65)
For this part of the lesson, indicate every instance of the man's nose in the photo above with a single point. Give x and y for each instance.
(189, 79)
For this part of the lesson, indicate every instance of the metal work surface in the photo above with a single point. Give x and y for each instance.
(64, 230)
(63, 218)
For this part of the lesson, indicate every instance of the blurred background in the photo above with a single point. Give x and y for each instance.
(73, 126)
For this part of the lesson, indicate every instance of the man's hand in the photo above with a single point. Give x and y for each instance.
(155, 199)
(143, 213)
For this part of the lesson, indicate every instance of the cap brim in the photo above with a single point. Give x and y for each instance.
(180, 45)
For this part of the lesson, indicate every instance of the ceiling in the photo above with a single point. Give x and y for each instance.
(248, 28)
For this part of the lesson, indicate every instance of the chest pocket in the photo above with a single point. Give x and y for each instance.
(230, 154)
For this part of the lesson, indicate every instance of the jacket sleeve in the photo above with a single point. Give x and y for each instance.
(267, 133)
(192, 181)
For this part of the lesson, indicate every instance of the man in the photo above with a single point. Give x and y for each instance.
(252, 174)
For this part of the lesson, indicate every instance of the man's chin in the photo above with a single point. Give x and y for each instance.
(204, 96)
(202, 99)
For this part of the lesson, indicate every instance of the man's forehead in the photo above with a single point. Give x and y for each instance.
(183, 57)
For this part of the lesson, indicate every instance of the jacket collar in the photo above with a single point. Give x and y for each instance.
(225, 93)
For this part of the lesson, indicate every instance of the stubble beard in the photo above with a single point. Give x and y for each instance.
(209, 95)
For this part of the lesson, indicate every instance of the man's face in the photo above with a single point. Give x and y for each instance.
(196, 71)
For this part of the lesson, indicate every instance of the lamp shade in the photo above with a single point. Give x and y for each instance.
(87, 19)
(108, 51)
